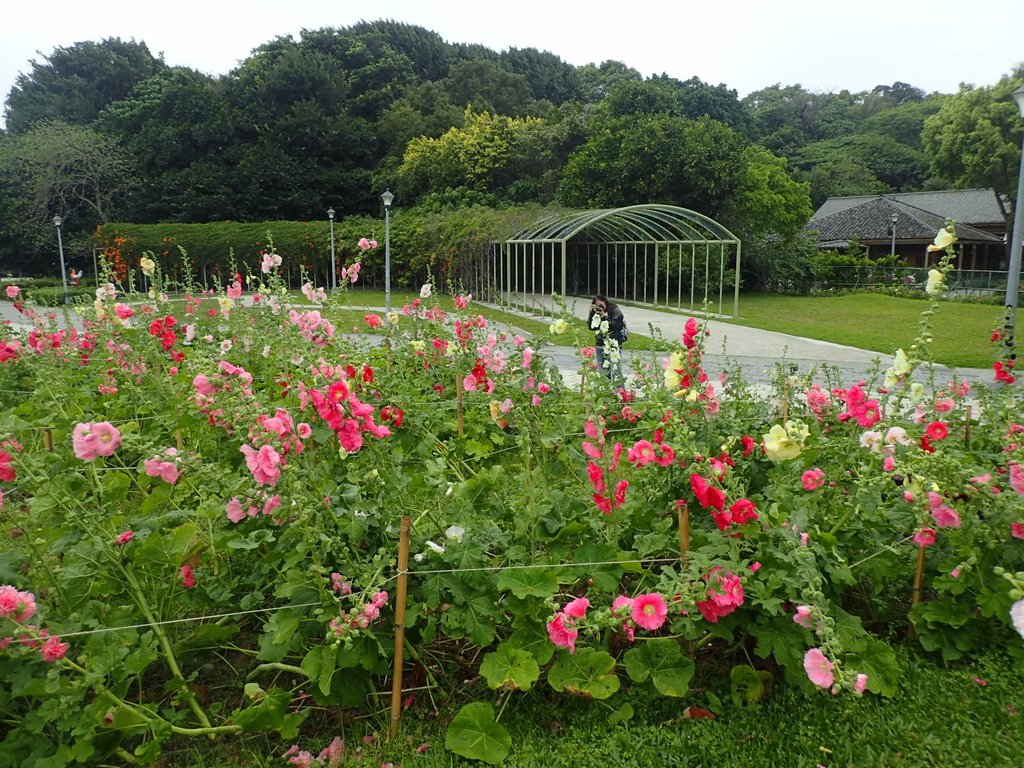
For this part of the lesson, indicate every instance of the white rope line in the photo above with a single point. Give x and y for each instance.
(543, 565)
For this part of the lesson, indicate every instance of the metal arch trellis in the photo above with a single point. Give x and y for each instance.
(647, 254)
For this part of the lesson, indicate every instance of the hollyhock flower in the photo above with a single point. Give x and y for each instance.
(7, 471)
(936, 282)
(896, 436)
(755, 567)
(709, 496)
(936, 431)
(188, 578)
(576, 608)
(819, 668)
(943, 239)
(743, 511)
(561, 635)
(1017, 530)
(648, 611)
(924, 537)
(620, 492)
(779, 445)
(13, 291)
(92, 440)
(641, 453)
(813, 479)
(945, 517)
(53, 649)
(803, 617)
(724, 593)
(1017, 477)
(861, 683)
(265, 464)
(1017, 616)
(20, 606)
(426, 290)
(123, 311)
(148, 266)
(124, 538)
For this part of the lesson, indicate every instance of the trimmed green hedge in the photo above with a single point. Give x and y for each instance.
(443, 243)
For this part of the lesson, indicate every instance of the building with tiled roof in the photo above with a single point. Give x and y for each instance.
(905, 223)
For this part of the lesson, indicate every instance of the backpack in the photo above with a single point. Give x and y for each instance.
(624, 333)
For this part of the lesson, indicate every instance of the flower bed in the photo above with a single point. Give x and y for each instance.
(202, 518)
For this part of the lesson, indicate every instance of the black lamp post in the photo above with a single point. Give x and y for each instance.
(387, 197)
(333, 282)
(1013, 277)
(57, 221)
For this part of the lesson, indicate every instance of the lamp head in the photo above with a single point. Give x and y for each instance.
(57, 221)
(330, 214)
(387, 197)
(894, 218)
(1018, 96)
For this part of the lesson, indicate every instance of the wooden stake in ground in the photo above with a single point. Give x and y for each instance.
(458, 406)
(48, 439)
(400, 594)
(967, 428)
(683, 512)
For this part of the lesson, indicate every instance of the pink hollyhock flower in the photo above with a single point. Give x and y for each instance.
(945, 517)
(925, 537)
(123, 311)
(124, 538)
(264, 464)
(1017, 616)
(648, 611)
(641, 453)
(861, 683)
(592, 450)
(53, 649)
(576, 608)
(272, 503)
(13, 291)
(1017, 477)
(90, 441)
(20, 606)
(235, 512)
(1017, 530)
(819, 668)
(562, 635)
(812, 479)
(620, 492)
(188, 578)
(944, 405)
(803, 617)
(621, 602)
(755, 567)
(936, 431)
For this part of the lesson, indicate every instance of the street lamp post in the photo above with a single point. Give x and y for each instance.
(387, 197)
(894, 218)
(1013, 276)
(57, 221)
(333, 282)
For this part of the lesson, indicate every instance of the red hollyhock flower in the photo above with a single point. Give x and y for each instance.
(937, 430)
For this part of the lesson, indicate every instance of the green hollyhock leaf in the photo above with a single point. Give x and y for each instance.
(319, 665)
(878, 662)
(621, 715)
(528, 582)
(510, 668)
(536, 642)
(475, 734)
(267, 714)
(749, 685)
(587, 673)
(661, 660)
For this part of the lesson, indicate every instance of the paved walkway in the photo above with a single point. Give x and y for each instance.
(755, 351)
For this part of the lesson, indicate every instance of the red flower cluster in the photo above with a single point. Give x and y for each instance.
(724, 593)
(162, 329)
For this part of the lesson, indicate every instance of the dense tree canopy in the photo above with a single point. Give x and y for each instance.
(333, 116)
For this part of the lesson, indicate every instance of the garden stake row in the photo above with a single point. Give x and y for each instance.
(400, 592)
(967, 428)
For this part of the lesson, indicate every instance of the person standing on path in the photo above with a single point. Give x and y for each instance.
(609, 326)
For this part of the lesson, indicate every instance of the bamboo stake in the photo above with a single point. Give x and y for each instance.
(458, 406)
(785, 402)
(967, 428)
(918, 577)
(683, 512)
(179, 440)
(403, 579)
(48, 439)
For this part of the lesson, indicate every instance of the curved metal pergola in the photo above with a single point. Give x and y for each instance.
(643, 253)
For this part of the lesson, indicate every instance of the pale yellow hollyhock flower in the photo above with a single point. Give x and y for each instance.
(692, 396)
(900, 367)
(417, 345)
(935, 282)
(779, 446)
(916, 392)
(559, 326)
(101, 312)
(675, 362)
(392, 317)
(148, 266)
(226, 303)
(943, 240)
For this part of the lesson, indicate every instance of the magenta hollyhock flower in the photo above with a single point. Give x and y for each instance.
(124, 538)
(1017, 477)
(188, 577)
(53, 649)
(577, 608)
(819, 668)
(561, 635)
(812, 479)
(861, 683)
(13, 291)
(263, 463)
(90, 441)
(620, 492)
(1017, 530)
(649, 610)
(924, 537)
(945, 517)
(936, 431)
(641, 453)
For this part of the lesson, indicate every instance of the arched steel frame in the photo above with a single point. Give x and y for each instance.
(639, 253)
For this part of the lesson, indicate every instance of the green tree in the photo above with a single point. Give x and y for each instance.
(487, 86)
(550, 78)
(73, 84)
(598, 81)
(974, 138)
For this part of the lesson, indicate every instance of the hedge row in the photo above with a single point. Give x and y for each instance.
(442, 244)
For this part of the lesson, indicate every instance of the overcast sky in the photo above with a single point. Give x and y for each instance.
(746, 44)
